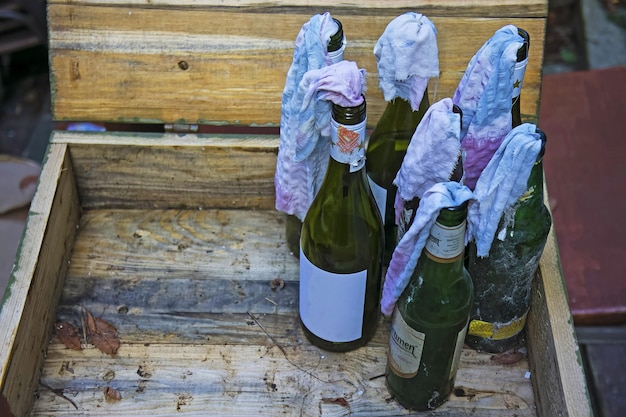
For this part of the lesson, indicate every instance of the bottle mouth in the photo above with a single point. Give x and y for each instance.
(522, 52)
(350, 115)
(544, 139)
(336, 40)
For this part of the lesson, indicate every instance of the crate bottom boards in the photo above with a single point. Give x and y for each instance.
(189, 287)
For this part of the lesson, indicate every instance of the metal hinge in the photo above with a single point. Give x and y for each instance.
(180, 128)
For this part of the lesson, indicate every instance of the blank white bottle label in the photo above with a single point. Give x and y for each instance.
(332, 305)
(405, 347)
(380, 195)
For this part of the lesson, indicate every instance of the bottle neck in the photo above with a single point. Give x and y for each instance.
(337, 43)
(534, 186)
(348, 144)
(518, 79)
(446, 242)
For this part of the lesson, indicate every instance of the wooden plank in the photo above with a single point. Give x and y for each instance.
(197, 338)
(583, 168)
(29, 304)
(104, 59)
(173, 171)
(556, 363)
(264, 379)
(512, 8)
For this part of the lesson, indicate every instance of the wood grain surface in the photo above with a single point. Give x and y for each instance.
(163, 62)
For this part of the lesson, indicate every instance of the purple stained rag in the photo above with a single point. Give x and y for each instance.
(501, 184)
(484, 94)
(432, 153)
(342, 83)
(407, 252)
(294, 178)
(407, 56)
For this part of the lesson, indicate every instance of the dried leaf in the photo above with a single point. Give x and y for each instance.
(508, 358)
(340, 401)
(103, 335)
(106, 338)
(111, 394)
(91, 323)
(68, 335)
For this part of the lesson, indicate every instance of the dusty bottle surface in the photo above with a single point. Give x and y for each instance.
(342, 245)
(431, 317)
(502, 281)
(293, 224)
(386, 149)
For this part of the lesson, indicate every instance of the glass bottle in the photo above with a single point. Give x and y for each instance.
(342, 244)
(430, 319)
(293, 224)
(518, 78)
(386, 148)
(502, 280)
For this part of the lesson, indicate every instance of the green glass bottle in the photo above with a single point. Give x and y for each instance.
(518, 78)
(293, 224)
(386, 148)
(502, 280)
(342, 244)
(430, 319)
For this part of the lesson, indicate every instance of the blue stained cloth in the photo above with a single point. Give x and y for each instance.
(407, 56)
(342, 83)
(310, 52)
(432, 153)
(485, 94)
(407, 252)
(501, 184)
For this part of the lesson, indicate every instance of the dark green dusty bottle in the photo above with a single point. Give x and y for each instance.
(342, 244)
(386, 148)
(502, 281)
(518, 78)
(430, 318)
(293, 224)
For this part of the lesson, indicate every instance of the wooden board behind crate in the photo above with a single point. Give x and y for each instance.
(194, 62)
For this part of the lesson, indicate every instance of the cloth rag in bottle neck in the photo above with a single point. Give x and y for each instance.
(310, 52)
(432, 153)
(405, 256)
(501, 184)
(485, 93)
(309, 117)
(407, 56)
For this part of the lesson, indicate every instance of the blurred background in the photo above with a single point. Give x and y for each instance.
(582, 101)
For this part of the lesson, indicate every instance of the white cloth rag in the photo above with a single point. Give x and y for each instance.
(485, 95)
(407, 56)
(310, 52)
(343, 83)
(405, 256)
(501, 184)
(432, 153)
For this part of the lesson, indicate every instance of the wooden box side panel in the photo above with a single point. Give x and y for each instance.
(162, 63)
(556, 363)
(29, 306)
(173, 171)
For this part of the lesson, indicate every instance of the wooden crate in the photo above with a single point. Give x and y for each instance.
(173, 238)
